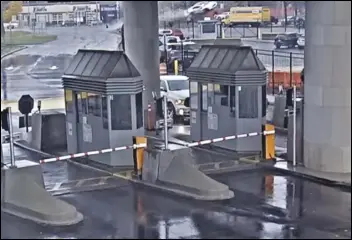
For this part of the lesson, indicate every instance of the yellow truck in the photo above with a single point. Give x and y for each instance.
(253, 16)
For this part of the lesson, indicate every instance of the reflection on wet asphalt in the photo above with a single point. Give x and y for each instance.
(54, 172)
(266, 205)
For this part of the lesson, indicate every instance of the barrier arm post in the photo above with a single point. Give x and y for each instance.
(12, 150)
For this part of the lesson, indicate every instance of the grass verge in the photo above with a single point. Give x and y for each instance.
(25, 38)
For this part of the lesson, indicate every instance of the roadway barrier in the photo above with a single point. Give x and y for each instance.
(160, 168)
(78, 155)
(285, 77)
(143, 145)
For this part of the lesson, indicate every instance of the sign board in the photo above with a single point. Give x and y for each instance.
(69, 129)
(22, 121)
(25, 104)
(87, 133)
(193, 117)
(212, 121)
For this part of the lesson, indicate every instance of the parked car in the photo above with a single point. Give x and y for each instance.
(209, 6)
(274, 20)
(196, 8)
(11, 25)
(222, 16)
(301, 41)
(176, 87)
(286, 40)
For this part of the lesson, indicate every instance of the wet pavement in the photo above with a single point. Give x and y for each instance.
(266, 205)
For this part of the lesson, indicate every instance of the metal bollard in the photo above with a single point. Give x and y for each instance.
(294, 124)
(12, 150)
(165, 123)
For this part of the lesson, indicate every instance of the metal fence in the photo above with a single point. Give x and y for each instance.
(284, 68)
(192, 29)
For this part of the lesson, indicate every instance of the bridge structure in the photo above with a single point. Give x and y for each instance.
(327, 91)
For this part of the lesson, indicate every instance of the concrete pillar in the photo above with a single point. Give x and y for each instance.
(142, 43)
(327, 93)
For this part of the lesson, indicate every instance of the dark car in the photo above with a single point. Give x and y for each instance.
(286, 40)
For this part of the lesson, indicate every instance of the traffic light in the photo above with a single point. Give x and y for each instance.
(4, 119)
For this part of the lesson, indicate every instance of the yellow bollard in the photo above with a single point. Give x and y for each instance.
(176, 67)
(138, 156)
(269, 143)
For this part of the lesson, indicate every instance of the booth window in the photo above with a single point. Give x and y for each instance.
(68, 100)
(94, 104)
(210, 94)
(221, 92)
(194, 95)
(233, 101)
(79, 106)
(204, 98)
(248, 102)
(121, 112)
(139, 110)
(208, 27)
(84, 97)
(104, 105)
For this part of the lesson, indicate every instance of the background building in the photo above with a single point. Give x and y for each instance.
(44, 13)
(108, 11)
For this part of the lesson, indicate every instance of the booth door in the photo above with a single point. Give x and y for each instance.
(249, 118)
(79, 109)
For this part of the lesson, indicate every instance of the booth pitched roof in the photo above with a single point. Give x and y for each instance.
(101, 65)
(226, 59)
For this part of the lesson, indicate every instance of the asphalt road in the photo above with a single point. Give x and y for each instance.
(266, 205)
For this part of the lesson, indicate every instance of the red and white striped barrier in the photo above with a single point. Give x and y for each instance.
(143, 145)
(77, 155)
(221, 139)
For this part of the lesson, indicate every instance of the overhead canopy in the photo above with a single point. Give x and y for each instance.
(100, 65)
(104, 72)
(227, 63)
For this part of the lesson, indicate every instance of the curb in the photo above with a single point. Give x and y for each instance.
(12, 52)
(327, 182)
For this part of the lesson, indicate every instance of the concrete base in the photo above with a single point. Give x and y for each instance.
(48, 131)
(23, 195)
(170, 169)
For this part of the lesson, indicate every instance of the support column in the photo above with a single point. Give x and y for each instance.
(142, 43)
(327, 91)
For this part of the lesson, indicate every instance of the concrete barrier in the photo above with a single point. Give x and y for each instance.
(218, 41)
(48, 131)
(268, 35)
(23, 194)
(173, 169)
